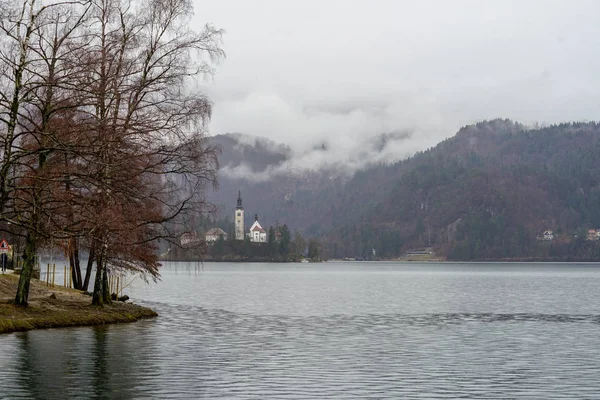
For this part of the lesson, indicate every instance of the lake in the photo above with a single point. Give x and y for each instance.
(330, 330)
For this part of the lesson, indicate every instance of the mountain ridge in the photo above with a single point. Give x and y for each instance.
(484, 193)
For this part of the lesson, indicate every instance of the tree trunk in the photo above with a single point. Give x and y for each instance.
(105, 288)
(29, 256)
(97, 296)
(74, 263)
(90, 264)
(77, 269)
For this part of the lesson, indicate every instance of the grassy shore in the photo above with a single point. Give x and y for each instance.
(59, 307)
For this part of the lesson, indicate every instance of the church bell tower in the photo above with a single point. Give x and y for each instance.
(239, 218)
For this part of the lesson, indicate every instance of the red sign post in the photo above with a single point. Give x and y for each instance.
(4, 247)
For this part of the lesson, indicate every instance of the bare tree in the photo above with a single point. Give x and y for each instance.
(35, 39)
(147, 146)
(101, 136)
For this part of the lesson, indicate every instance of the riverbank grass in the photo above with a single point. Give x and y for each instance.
(58, 307)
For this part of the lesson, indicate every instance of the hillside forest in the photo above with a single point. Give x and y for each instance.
(487, 193)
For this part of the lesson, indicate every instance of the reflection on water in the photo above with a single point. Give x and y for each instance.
(91, 363)
(376, 331)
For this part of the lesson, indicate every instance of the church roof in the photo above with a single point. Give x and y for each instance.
(257, 228)
(239, 201)
(217, 232)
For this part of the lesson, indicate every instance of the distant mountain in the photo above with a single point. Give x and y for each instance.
(486, 193)
(258, 154)
(274, 191)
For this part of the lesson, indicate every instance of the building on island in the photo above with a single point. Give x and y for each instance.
(214, 234)
(189, 239)
(257, 234)
(239, 218)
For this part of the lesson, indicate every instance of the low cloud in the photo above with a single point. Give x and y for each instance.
(328, 84)
(329, 156)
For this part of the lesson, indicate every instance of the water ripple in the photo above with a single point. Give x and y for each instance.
(195, 351)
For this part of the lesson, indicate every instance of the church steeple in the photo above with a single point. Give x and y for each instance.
(239, 218)
(239, 202)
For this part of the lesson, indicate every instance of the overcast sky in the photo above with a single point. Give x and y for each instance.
(306, 71)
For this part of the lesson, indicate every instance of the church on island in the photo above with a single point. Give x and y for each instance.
(256, 233)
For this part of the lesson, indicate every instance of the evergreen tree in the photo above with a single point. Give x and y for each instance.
(220, 246)
(272, 242)
(299, 244)
(314, 250)
(284, 246)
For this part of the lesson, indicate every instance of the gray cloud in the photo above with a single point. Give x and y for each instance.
(338, 161)
(343, 72)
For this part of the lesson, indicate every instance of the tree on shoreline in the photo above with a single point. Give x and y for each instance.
(35, 71)
(112, 146)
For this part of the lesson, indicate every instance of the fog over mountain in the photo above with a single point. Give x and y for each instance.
(340, 73)
(342, 158)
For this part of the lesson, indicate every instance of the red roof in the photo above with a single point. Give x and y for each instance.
(257, 228)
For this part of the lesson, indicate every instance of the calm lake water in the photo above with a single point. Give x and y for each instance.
(331, 330)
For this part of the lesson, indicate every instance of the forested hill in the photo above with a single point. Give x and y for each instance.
(486, 193)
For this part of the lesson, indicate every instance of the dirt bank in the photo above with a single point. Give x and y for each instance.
(59, 307)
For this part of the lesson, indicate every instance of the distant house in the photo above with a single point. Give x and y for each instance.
(548, 235)
(214, 234)
(593, 235)
(256, 233)
(415, 252)
(189, 239)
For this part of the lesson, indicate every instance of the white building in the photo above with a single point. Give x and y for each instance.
(239, 218)
(214, 234)
(593, 235)
(189, 239)
(257, 234)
